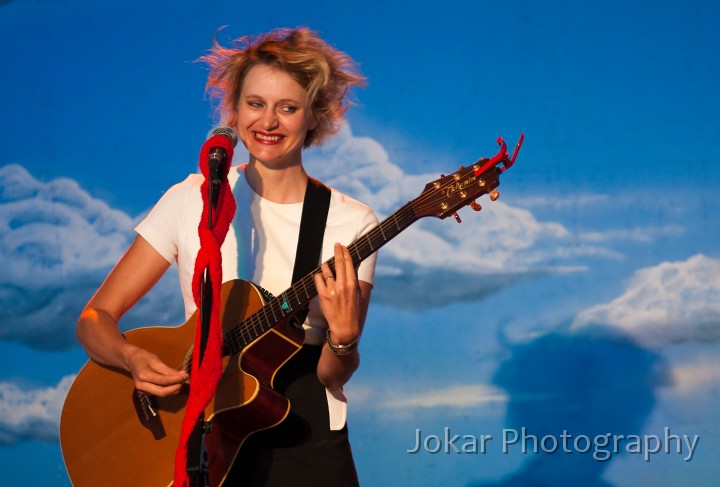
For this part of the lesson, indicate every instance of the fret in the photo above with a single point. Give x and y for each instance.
(258, 328)
(307, 294)
(251, 329)
(257, 324)
(275, 318)
(246, 335)
(369, 242)
(289, 298)
(394, 216)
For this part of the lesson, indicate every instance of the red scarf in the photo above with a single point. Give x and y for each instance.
(204, 377)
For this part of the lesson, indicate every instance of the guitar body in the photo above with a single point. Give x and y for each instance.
(103, 441)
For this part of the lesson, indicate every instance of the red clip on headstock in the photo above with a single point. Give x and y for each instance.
(502, 156)
(444, 196)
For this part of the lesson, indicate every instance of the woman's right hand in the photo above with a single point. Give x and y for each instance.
(152, 376)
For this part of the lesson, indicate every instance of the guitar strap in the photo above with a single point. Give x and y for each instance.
(312, 229)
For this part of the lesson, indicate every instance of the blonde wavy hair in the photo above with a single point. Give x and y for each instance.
(324, 72)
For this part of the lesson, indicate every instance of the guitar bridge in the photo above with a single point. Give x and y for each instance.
(148, 413)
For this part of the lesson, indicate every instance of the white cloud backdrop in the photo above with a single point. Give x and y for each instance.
(671, 302)
(57, 243)
(31, 414)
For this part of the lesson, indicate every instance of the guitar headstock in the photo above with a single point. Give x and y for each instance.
(444, 196)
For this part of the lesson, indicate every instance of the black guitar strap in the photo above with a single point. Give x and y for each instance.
(312, 229)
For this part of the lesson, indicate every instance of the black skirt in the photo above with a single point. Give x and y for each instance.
(302, 451)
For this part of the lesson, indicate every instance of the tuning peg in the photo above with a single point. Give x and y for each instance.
(437, 183)
(457, 217)
(494, 194)
(475, 205)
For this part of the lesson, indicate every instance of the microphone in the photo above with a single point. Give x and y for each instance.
(218, 155)
(218, 163)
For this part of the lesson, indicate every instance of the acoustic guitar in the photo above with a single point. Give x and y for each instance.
(111, 435)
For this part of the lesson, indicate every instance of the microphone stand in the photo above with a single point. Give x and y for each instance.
(198, 456)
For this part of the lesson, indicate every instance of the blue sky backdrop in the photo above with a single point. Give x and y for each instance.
(586, 299)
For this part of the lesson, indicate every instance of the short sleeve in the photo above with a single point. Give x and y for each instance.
(162, 227)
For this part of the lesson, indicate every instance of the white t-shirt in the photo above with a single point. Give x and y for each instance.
(260, 245)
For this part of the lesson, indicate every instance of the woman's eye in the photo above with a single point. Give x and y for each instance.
(289, 109)
(254, 104)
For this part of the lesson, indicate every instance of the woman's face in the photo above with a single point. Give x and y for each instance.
(272, 117)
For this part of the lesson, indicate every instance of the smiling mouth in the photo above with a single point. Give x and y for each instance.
(267, 138)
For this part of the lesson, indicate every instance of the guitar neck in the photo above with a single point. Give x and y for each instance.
(296, 297)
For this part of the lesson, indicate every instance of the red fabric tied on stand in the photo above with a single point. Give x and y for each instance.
(205, 375)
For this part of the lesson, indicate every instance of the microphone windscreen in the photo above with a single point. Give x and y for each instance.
(226, 131)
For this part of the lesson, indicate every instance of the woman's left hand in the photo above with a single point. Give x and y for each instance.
(339, 297)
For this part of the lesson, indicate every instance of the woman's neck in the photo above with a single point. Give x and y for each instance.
(279, 185)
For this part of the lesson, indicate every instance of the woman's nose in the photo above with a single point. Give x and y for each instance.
(269, 120)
